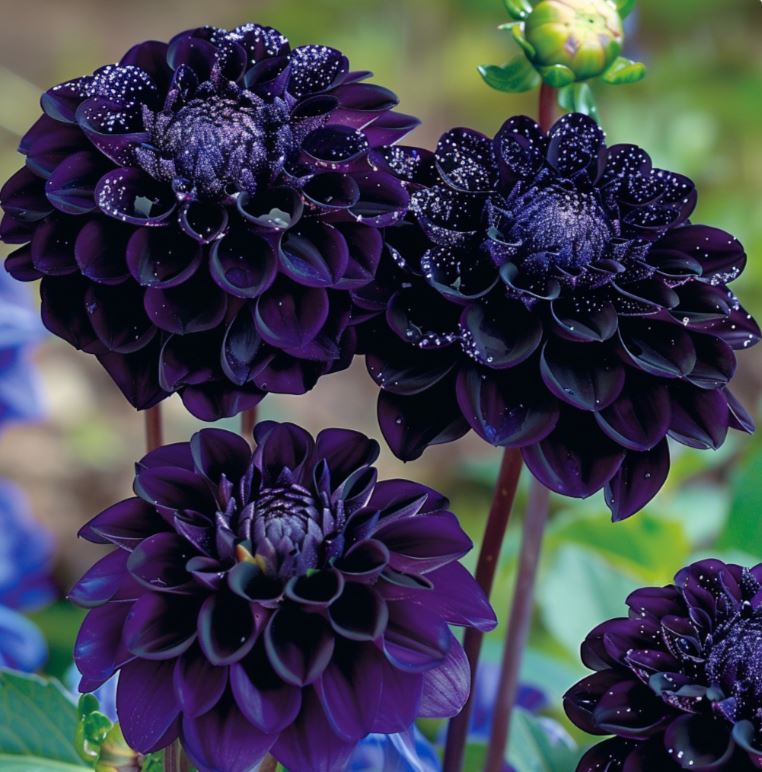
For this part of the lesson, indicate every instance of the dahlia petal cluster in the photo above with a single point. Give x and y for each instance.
(551, 293)
(280, 601)
(199, 212)
(679, 681)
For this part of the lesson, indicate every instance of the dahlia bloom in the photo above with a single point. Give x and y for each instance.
(199, 212)
(678, 682)
(280, 601)
(551, 294)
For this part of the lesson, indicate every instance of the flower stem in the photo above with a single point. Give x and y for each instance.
(547, 111)
(518, 623)
(153, 427)
(175, 759)
(499, 514)
(248, 422)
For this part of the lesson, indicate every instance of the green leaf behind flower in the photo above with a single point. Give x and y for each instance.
(625, 7)
(623, 70)
(518, 75)
(578, 98)
(38, 721)
(518, 9)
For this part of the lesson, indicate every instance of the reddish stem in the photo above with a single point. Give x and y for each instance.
(248, 422)
(153, 428)
(175, 759)
(519, 623)
(547, 107)
(499, 514)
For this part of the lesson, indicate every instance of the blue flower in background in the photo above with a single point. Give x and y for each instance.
(25, 583)
(20, 393)
(26, 550)
(411, 752)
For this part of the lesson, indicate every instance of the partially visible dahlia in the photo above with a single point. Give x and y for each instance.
(280, 601)
(551, 294)
(678, 682)
(199, 212)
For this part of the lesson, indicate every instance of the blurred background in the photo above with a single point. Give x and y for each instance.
(699, 112)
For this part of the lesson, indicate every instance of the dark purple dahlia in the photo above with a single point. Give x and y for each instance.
(678, 682)
(280, 601)
(199, 212)
(551, 294)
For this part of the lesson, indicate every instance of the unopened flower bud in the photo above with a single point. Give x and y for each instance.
(582, 36)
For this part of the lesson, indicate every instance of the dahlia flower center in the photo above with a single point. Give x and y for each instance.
(735, 661)
(222, 146)
(288, 524)
(559, 227)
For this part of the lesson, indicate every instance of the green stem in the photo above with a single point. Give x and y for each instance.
(497, 522)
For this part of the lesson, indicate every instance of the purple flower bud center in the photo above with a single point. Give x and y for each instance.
(220, 146)
(557, 227)
(288, 529)
(735, 662)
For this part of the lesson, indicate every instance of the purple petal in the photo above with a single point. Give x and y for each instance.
(290, 315)
(113, 129)
(314, 255)
(147, 705)
(158, 563)
(464, 160)
(268, 703)
(161, 626)
(411, 423)
(118, 318)
(657, 348)
(71, 187)
(493, 342)
(136, 376)
(390, 127)
(519, 147)
(102, 581)
(508, 411)
(400, 700)
(575, 145)
(100, 252)
(344, 451)
(315, 69)
(23, 197)
(98, 650)
(162, 257)
(125, 524)
(50, 142)
(217, 452)
(243, 264)
(350, 690)
(171, 489)
(576, 461)
(420, 544)
(383, 199)
(700, 418)
(637, 481)
(699, 741)
(586, 377)
(365, 246)
(639, 418)
(130, 195)
(194, 306)
(335, 146)
(53, 248)
(224, 739)
(272, 210)
(446, 687)
(299, 646)
(199, 685)
(243, 355)
(360, 614)
(416, 639)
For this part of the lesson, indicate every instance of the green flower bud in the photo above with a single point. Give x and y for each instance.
(583, 37)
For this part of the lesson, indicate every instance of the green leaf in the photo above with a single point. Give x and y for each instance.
(575, 573)
(624, 70)
(635, 545)
(153, 762)
(557, 75)
(517, 75)
(533, 748)
(518, 35)
(743, 530)
(518, 9)
(578, 98)
(625, 7)
(38, 721)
